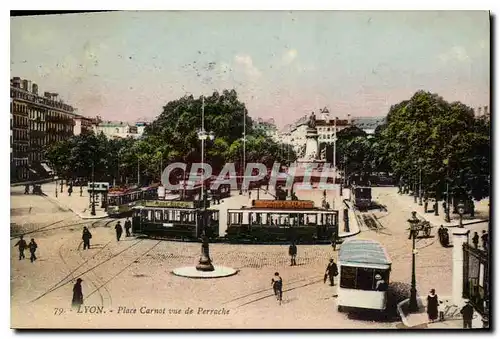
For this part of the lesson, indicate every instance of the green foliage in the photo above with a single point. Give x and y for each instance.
(172, 137)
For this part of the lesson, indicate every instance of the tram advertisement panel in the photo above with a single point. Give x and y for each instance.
(283, 204)
(169, 204)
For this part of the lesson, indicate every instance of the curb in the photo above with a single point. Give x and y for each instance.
(350, 234)
(477, 221)
(401, 313)
(66, 208)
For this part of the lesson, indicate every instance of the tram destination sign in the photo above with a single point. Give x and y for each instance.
(283, 204)
(169, 204)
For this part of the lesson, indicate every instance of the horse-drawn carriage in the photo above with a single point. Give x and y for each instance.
(418, 226)
(423, 227)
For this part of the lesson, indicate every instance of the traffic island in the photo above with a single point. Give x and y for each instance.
(205, 269)
(193, 273)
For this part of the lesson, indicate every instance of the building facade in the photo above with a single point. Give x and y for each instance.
(37, 122)
(368, 124)
(326, 125)
(82, 125)
(116, 129)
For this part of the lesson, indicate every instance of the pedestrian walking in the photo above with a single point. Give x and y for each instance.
(77, 300)
(432, 305)
(467, 313)
(32, 247)
(26, 189)
(277, 284)
(484, 238)
(292, 251)
(475, 240)
(22, 245)
(119, 231)
(426, 204)
(70, 190)
(331, 272)
(128, 226)
(250, 195)
(81, 191)
(86, 236)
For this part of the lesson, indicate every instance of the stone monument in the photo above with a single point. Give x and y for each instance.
(312, 146)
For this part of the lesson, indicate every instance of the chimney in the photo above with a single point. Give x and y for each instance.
(485, 111)
(25, 85)
(34, 89)
(479, 111)
(17, 82)
(29, 86)
(47, 95)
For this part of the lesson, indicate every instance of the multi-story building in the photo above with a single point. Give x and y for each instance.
(116, 129)
(268, 127)
(326, 125)
(141, 126)
(82, 125)
(37, 121)
(483, 112)
(368, 124)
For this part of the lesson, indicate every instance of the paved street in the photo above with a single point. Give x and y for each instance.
(122, 274)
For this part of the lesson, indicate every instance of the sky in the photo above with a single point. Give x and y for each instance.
(283, 64)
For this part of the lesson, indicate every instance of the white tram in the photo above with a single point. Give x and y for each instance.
(364, 267)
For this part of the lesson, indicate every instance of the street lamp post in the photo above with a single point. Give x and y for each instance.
(56, 188)
(420, 187)
(413, 306)
(461, 210)
(92, 211)
(447, 209)
(205, 263)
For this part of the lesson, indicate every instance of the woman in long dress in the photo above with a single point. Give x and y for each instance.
(432, 305)
(77, 300)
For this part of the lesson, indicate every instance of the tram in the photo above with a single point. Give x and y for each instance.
(361, 196)
(120, 200)
(174, 219)
(276, 220)
(365, 268)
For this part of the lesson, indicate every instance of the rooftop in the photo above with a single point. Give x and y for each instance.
(364, 252)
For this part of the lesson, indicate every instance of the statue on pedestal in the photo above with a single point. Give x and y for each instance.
(312, 121)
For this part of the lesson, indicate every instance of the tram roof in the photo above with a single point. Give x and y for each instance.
(282, 210)
(364, 252)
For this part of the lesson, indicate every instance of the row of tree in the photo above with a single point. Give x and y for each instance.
(426, 142)
(172, 137)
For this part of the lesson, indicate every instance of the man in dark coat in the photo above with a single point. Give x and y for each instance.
(475, 240)
(86, 236)
(128, 226)
(292, 251)
(331, 271)
(32, 247)
(119, 231)
(467, 313)
(22, 245)
(484, 238)
(77, 300)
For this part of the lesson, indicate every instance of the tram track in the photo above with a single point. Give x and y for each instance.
(97, 278)
(64, 281)
(269, 293)
(103, 285)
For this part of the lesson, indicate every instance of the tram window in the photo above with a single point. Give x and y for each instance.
(364, 279)
(347, 277)
(158, 216)
(165, 215)
(150, 215)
